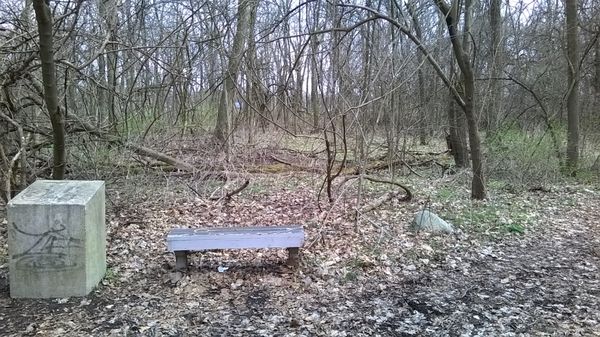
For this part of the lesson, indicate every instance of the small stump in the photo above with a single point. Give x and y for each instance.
(56, 239)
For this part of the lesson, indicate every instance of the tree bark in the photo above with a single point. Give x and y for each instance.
(573, 93)
(44, 20)
(457, 137)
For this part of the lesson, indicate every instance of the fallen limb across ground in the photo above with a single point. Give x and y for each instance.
(384, 198)
(77, 124)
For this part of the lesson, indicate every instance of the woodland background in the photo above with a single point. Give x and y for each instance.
(365, 78)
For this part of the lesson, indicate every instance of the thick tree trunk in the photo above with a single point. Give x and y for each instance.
(573, 93)
(44, 20)
(457, 140)
(478, 182)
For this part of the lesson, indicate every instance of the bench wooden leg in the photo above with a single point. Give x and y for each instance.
(293, 256)
(181, 260)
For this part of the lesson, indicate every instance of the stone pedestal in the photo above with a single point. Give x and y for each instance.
(56, 239)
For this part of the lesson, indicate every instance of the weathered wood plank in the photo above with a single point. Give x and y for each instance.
(181, 239)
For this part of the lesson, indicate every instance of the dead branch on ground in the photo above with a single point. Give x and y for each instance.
(373, 167)
(77, 124)
(230, 194)
(386, 197)
(293, 165)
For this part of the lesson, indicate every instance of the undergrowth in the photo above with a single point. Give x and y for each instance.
(523, 159)
(494, 218)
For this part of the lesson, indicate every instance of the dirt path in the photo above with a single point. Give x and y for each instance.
(382, 281)
(546, 284)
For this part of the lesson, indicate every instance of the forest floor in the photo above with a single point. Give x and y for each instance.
(525, 263)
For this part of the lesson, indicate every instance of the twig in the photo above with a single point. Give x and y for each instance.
(9, 175)
(22, 150)
(193, 190)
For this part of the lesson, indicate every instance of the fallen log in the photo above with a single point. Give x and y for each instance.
(76, 124)
(381, 200)
(295, 166)
(147, 152)
(378, 166)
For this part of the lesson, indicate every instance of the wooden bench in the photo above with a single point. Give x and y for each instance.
(183, 240)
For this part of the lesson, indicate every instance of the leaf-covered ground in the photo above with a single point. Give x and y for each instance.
(524, 264)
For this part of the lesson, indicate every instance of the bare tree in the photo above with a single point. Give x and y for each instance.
(222, 132)
(496, 51)
(573, 90)
(461, 53)
(44, 20)
(421, 77)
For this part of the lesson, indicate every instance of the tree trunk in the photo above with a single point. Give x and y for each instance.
(102, 105)
(44, 20)
(457, 140)
(496, 59)
(314, 76)
(597, 76)
(423, 124)
(597, 67)
(222, 132)
(252, 78)
(462, 58)
(108, 11)
(573, 93)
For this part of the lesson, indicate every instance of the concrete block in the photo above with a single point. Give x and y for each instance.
(56, 239)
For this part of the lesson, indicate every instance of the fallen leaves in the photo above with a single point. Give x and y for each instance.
(380, 279)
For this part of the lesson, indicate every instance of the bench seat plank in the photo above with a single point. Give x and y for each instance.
(189, 239)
